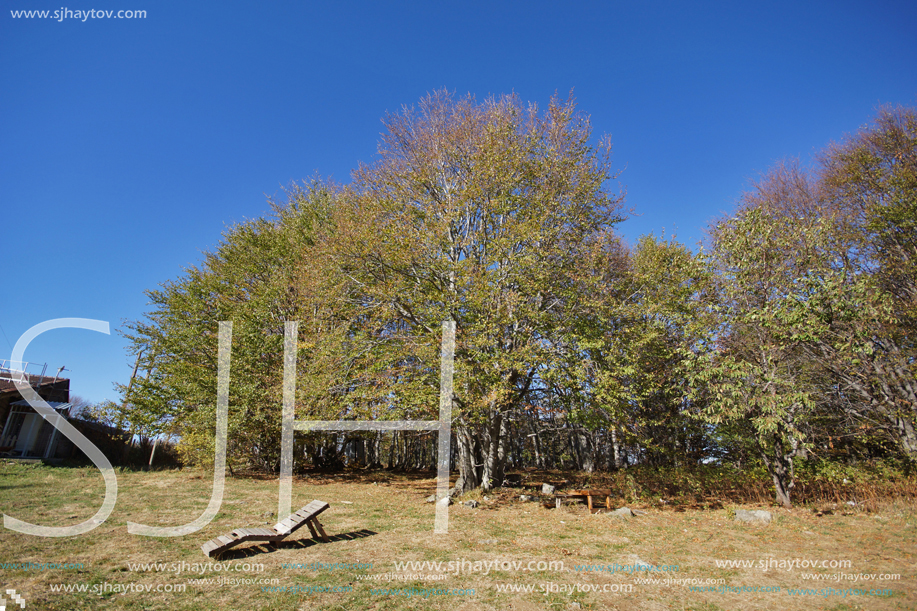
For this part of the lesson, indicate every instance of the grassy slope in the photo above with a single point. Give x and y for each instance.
(400, 525)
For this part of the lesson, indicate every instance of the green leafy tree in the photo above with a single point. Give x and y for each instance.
(850, 310)
(247, 280)
(860, 319)
(758, 382)
(817, 287)
(647, 309)
(479, 213)
(668, 314)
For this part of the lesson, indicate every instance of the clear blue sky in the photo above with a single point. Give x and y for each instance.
(127, 146)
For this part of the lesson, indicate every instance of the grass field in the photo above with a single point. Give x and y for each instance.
(377, 519)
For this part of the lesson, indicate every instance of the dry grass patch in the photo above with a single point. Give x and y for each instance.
(381, 518)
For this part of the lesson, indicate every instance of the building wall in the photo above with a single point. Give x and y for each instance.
(49, 390)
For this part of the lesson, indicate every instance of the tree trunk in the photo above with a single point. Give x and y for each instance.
(494, 452)
(391, 450)
(780, 467)
(372, 446)
(586, 454)
(469, 478)
(616, 449)
(358, 450)
(907, 437)
(539, 463)
(782, 486)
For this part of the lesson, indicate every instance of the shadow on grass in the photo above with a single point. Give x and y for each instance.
(267, 548)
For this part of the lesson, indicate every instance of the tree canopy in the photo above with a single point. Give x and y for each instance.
(789, 337)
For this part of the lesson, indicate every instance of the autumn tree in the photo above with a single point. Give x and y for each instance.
(757, 381)
(850, 310)
(667, 313)
(860, 320)
(645, 307)
(479, 213)
(817, 290)
(248, 279)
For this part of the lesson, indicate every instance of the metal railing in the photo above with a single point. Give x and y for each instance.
(18, 371)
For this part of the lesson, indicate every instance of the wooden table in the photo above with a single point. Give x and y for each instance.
(584, 494)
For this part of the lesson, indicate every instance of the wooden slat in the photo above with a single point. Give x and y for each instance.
(219, 545)
(581, 494)
(296, 520)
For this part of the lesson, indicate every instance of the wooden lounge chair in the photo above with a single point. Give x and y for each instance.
(307, 516)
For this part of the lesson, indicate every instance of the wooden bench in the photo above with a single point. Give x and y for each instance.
(588, 495)
(307, 516)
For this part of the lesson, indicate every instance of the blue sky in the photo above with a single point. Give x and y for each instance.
(127, 146)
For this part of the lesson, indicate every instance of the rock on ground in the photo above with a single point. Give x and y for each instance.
(759, 516)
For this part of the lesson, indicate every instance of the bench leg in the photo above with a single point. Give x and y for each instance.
(312, 529)
(589, 502)
(317, 531)
(557, 502)
(321, 530)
